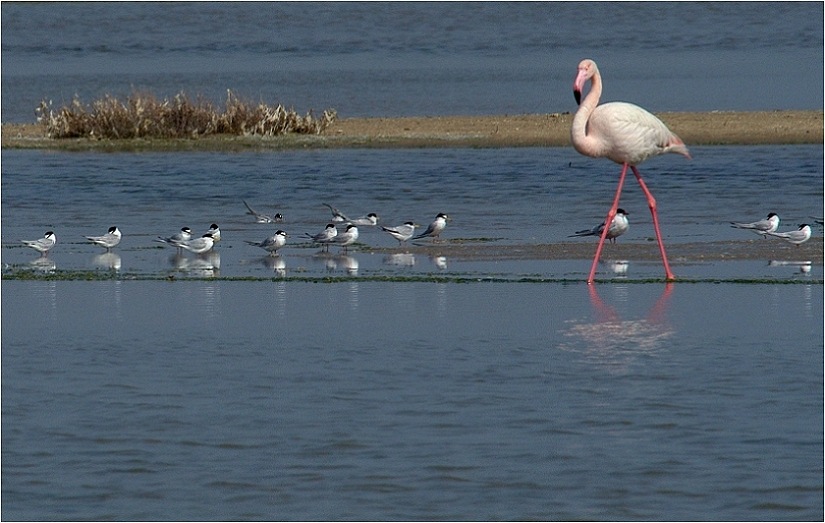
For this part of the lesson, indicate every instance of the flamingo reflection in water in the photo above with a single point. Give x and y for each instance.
(613, 340)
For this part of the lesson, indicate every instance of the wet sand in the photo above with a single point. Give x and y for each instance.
(758, 249)
(539, 130)
(692, 262)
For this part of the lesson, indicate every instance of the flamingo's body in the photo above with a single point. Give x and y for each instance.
(624, 133)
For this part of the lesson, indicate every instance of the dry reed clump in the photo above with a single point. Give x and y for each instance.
(144, 116)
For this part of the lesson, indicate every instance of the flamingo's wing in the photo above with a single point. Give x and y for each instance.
(632, 134)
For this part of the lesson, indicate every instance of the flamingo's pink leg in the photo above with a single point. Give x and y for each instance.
(610, 215)
(651, 202)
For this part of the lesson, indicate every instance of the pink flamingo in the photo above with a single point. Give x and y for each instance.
(624, 133)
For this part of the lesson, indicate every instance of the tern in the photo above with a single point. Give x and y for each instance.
(337, 216)
(108, 240)
(369, 220)
(273, 243)
(326, 236)
(182, 236)
(42, 245)
(198, 245)
(347, 237)
(402, 233)
(763, 227)
(263, 218)
(618, 226)
(434, 228)
(797, 237)
(215, 232)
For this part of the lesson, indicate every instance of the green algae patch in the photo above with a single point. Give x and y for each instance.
(31, 275)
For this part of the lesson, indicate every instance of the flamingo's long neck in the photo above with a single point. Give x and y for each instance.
(584, 144)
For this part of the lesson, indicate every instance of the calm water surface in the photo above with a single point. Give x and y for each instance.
(364, 400)
(388, 59)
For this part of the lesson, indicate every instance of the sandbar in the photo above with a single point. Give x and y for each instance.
(530, 130)
(759, 249)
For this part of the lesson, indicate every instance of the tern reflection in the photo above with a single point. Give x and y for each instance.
(206, 265)
(336, 262)
(619, 267)
(803, 266)
(439, 261)
(43, 264)
(400, 259)
(107, 260)
(347, 263)
(613, 339)
(275, 263)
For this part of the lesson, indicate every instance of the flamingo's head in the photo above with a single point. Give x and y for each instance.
(587, 69)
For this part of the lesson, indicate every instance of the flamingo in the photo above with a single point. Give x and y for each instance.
(624, 133)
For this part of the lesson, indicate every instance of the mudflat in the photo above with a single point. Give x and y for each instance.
(530, 130)
(759, 249)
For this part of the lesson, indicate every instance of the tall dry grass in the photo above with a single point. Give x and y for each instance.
(142, 115)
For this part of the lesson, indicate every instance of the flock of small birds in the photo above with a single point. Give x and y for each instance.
(765, 228)
(769, 226)
(330, 235)
(185, 241)
(181, 240)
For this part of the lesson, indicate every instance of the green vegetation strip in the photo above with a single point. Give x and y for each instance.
(424, 278)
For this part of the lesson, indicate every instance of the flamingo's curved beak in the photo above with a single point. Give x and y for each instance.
(578, 85)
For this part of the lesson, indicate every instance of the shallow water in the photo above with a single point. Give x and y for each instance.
(408, 401)
(495, 197)
(360, 399)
